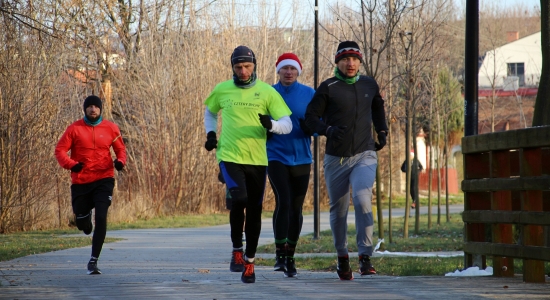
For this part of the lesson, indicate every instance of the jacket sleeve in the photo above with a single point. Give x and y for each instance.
(62, 148)
(378, 113)
(315, 110)
(118, 145)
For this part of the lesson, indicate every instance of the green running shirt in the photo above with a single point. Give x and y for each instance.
(243, 138)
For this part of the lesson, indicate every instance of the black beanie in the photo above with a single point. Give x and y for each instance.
(242, 54)
(347, 49)
(93, 100)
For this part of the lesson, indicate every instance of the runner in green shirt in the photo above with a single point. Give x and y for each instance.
(248, 107)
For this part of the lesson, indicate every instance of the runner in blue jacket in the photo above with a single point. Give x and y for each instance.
(289, 164)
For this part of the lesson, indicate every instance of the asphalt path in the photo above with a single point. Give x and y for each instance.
(193, 263)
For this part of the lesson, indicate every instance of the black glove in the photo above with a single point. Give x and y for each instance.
(118, 165)
(269, 134)
(266, 121)
(211, 141)
(381, 141)
(336, 133)
(77, 168)
(304, 127)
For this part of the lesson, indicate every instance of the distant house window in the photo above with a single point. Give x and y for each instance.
(517, 69)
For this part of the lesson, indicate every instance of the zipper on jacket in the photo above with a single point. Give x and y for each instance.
(354, 121)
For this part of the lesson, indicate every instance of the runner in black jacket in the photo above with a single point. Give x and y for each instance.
(344, 108)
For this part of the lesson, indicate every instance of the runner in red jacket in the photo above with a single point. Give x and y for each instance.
(92, 170)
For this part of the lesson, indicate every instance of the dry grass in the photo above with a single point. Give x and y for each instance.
(174, 55)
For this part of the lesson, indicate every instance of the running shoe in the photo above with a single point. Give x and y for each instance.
(237, 261)
(290, 270)
(343, 268)
(365, 266)
(248, 275)
(92, 268)
(280, 263)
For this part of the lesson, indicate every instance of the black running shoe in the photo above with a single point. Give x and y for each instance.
(280, 263)
(92, 268)
(365, 266)
(343, 269)
(237, 261)
(290, 270)
(248, 275)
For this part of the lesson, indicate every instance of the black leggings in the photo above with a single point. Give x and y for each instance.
(98, 195)
(246, 183)
(289, 185)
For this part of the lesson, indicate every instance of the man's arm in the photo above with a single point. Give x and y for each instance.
(210, 121)
(281, 126)
(118, 146)
(315, 110)
(378, 113)
(63, 146)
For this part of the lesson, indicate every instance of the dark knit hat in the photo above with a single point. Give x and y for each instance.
(93, 100)
(242, 54)
(347, 49)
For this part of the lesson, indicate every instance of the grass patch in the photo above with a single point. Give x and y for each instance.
(27, 243)
(186, 221)
(448, 236)
(399, 201)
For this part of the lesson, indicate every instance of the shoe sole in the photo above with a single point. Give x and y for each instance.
(248, 280)
(368, 273)
(240, 270)
(96, 272)
(279, 269)
(345, 278)
(290, 275)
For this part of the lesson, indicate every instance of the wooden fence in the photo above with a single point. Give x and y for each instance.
(507, 201)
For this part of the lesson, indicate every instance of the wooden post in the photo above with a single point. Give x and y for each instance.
(530, 165)
(502, 200)
(476, 166)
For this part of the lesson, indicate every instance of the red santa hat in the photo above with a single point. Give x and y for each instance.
(289, 59)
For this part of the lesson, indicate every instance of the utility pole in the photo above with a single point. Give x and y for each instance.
(316, 189)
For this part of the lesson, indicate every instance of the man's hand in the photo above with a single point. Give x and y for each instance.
(211, 141)
(77, 168)
(118, 165)
(381, 141)
(304, 127)
(266, 121)
(336, 133)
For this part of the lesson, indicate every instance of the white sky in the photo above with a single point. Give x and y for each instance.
(507, 3)
(306, 7)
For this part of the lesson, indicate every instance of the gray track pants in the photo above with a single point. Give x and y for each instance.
(358, 172)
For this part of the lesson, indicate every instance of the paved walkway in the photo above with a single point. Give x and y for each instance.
(192, 263)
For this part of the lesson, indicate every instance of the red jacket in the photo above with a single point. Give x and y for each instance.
(91, 146)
